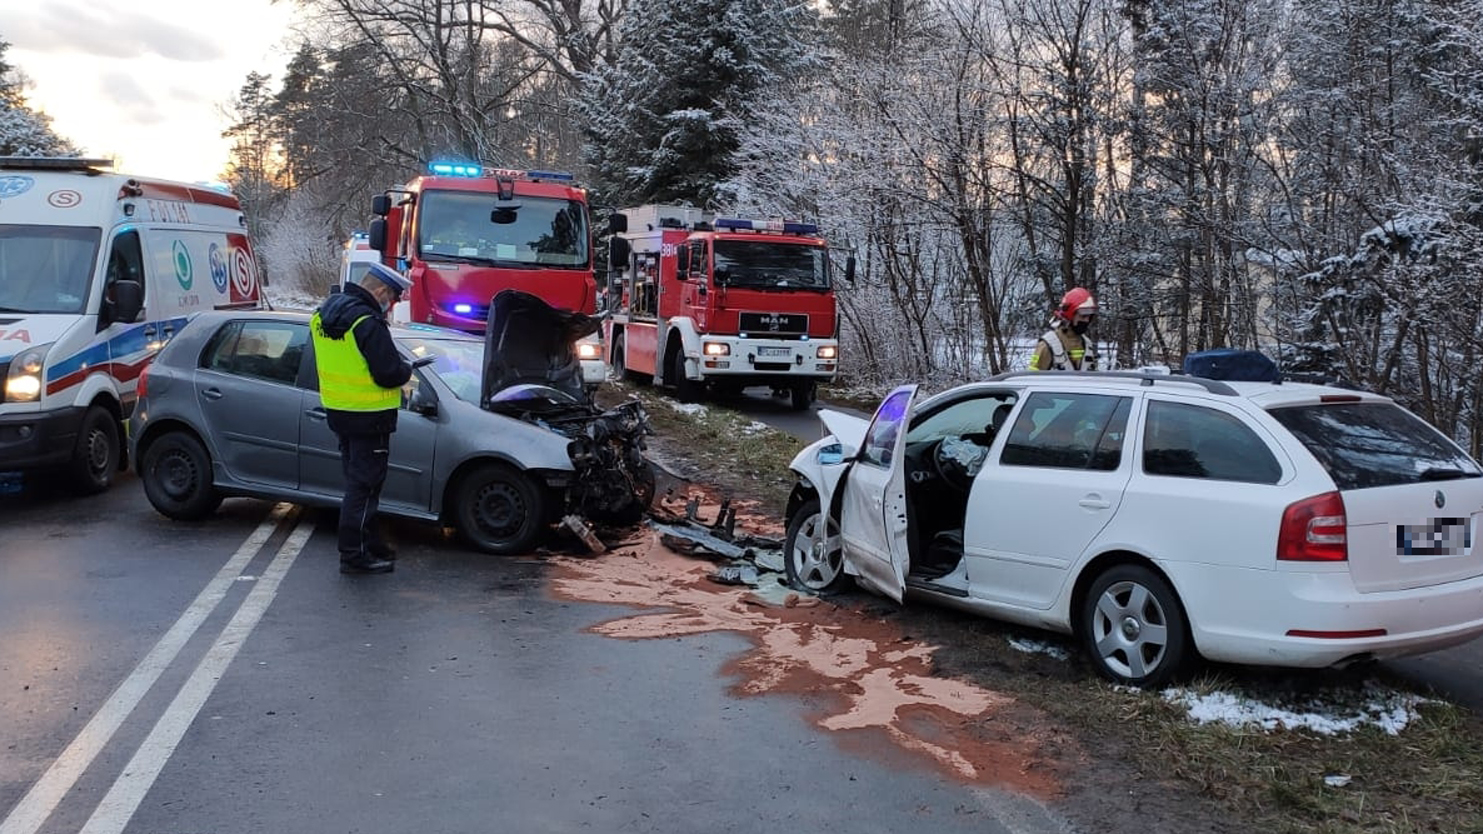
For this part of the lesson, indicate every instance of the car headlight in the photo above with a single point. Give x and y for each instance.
(827, 352)
(716, 349)
(588, 350)
(23, 383)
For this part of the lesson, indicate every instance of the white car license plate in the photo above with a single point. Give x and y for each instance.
(774, 351)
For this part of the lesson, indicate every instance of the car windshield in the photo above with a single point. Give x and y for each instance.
(767, 264)
(459, 362)
(46, 269)
(460, 226)
(1375, 444)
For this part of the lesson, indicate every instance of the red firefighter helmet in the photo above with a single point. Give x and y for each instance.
(1076, 300)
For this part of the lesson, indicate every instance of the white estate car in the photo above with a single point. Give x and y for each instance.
(1154, 516)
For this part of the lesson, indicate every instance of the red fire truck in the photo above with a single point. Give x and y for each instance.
(463, 232)
(725, 302)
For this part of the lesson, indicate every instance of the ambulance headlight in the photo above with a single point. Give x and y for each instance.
(588, 350)
(23, 382)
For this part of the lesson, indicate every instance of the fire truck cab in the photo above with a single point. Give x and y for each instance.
(727, 303)
(463, 233)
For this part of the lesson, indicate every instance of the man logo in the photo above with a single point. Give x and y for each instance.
(772, 321)
(1441, 500)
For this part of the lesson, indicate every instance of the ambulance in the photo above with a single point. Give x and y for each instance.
(97, 271)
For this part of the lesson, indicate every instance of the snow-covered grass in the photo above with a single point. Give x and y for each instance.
(1332, 712)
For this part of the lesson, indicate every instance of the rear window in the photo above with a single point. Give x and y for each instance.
(1375, 444)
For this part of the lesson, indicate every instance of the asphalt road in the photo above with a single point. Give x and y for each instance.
(221, 677)
(1455, 674)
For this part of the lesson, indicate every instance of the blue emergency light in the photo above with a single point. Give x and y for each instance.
(463, 308)
(455, 169)
(561, 176)
(786, 227)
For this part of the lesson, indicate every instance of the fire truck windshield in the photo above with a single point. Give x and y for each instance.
(766, 264)
(545, 232)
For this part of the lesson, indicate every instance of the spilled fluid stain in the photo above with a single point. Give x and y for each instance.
(866, 678)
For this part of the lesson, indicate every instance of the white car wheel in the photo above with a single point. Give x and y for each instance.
(1133, 627)
(812, 554)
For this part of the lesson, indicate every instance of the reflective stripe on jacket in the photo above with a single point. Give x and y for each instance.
(345, 382)
(1077, 359)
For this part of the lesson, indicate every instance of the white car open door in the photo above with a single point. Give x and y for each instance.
(873, 519)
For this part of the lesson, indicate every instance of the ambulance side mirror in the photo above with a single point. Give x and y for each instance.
(127, 300)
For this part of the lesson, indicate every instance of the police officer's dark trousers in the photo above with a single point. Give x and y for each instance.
(363, 457)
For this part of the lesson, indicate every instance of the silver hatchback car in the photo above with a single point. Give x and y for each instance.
(230, 407)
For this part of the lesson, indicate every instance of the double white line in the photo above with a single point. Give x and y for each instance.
(123, 799)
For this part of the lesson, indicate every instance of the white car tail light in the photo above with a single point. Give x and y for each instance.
(1313, 530)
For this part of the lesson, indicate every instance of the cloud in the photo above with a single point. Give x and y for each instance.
(128, 96)
(106, 32)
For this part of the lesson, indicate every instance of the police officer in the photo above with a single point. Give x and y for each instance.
(1065, 347)
(361, 375)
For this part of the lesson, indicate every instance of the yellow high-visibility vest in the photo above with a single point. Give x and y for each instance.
(345, 382)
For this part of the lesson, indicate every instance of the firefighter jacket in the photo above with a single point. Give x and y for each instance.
(1067, 350)
(360, 371)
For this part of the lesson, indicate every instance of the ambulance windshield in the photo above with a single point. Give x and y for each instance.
(46, 269)
(766, 264)
(542, 232)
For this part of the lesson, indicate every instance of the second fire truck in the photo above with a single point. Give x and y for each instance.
(722, 302)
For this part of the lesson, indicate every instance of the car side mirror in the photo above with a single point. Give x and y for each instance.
(831, 455)
(127, 301)
(423, 402)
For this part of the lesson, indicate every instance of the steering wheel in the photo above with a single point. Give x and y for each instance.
(949, 468)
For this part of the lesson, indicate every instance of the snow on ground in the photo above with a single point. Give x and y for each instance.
(1038, 647)
(688, 408)
(1331, 714)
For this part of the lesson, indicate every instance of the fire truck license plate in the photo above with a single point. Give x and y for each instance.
(774, 351)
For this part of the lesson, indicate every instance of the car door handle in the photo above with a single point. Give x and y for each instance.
(212, 393)
(1095, 502)
(315, 413)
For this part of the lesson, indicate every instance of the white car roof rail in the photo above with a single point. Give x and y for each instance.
(1147, 378)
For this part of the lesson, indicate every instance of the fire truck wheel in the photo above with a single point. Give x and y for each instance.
(686, 390)
(620, 368)
(95, 457)
(803, 394)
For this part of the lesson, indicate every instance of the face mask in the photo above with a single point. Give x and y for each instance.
(1080, 327)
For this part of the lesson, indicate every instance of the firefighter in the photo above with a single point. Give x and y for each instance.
(1065, 346)
(361, 375)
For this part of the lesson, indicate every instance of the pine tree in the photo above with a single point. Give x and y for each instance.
(24, 131)
(663, 121)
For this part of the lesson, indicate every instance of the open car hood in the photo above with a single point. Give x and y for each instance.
(848, 429)
(529, 343)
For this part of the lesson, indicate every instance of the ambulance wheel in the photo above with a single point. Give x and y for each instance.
(500, 510)
(686, 390)
(96, 454)
(176, 471)
(802, 395)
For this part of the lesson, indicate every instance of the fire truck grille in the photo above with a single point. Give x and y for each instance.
(769, 323)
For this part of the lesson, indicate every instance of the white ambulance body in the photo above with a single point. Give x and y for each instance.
(97, 271)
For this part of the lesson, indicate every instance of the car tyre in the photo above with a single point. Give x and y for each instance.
(176, 471)
(813, 557)
(95, 455)
(500, 510)
(1134, 628)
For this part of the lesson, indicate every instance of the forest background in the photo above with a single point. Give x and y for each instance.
(1299, 177)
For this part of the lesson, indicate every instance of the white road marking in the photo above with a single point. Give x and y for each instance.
(42, 799)
(123, 799)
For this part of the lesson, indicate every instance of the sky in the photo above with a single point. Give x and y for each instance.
(145, 83)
